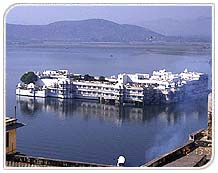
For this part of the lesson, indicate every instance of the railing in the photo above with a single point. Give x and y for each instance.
(39, 161)
(197, 135)
(172, 156)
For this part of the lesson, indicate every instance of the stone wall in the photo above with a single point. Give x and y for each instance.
(12, 142)
(209, 136)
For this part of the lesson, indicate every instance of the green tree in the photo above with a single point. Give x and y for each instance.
(77, 77)
(102, 78)
(87, 77)
(29, 77)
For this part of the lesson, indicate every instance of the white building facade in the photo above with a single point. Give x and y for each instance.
(159, 88)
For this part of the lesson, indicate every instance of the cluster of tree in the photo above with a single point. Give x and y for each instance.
(76, 77)
(29, 77)
(87, 77)
(102, 78)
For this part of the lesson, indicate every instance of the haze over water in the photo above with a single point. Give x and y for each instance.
(92, 132)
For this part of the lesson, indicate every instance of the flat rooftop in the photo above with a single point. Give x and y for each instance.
(11, 123)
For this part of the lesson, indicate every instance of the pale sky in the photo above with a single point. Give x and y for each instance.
(121, 14)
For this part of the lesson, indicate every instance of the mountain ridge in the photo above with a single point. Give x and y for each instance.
(101, 30)
(82, 30)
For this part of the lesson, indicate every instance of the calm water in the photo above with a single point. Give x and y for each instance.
(88, 131)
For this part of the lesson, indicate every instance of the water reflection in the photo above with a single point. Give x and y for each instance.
(167, 114)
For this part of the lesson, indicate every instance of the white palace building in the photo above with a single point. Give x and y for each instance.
(159, 88)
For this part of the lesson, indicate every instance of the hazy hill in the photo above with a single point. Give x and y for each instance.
(200, 28)
(92, 30)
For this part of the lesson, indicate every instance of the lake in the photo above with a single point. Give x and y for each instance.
(93, 132)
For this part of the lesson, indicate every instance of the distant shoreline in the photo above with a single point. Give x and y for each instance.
(173, 48)
(69, 44)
